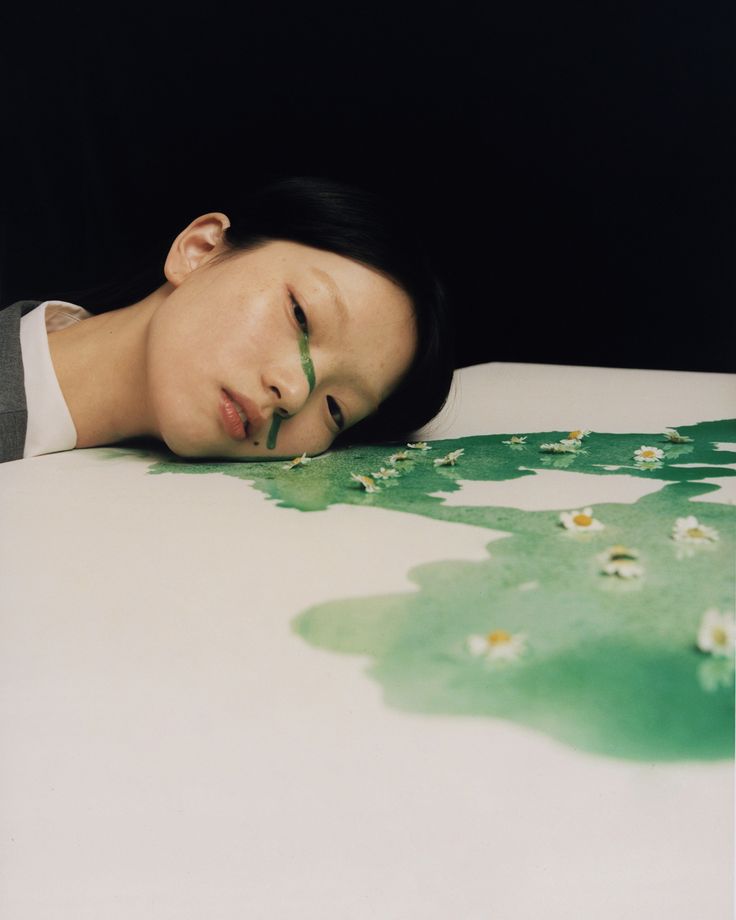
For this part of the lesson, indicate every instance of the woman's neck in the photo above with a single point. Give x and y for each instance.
(100, 364)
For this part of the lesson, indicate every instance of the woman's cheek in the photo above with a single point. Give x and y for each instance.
(308, 435)
(184, 421)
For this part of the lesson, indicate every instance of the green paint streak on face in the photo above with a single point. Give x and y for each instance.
(308, 367)
(306, 360)
(273, 431)
(611, 665)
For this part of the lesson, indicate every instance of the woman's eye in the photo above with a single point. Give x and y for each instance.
(300, 316)
(337, 417)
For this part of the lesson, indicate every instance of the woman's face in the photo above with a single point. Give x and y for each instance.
(283, 330)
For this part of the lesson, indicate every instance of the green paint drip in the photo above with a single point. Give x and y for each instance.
(273, 431)
(308, 367)
(306, 360)
(611, 666)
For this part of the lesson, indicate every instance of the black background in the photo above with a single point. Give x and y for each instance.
(572, 164)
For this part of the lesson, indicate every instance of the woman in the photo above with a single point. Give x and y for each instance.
(309, 317)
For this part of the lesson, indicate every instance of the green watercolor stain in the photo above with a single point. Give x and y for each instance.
(611, 666)
(305, 360)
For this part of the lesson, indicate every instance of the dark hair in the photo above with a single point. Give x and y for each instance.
(365, 227)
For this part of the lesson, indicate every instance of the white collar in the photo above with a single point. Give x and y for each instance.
(50, 427)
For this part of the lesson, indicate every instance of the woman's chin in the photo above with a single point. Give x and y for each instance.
(185, 441)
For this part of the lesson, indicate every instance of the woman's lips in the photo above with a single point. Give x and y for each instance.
(230, 418)
(240, 415)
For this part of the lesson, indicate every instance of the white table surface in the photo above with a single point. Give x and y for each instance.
(172, 749)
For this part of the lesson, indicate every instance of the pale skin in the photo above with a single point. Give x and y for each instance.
(206, 361)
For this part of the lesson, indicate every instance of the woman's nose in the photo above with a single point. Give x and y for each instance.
(287, 389)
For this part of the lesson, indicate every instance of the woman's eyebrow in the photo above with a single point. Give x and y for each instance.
(337, 300)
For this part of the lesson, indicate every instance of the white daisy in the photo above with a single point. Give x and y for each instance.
(297, 461)
(516, 439)
(674, 436)
(419, 445)
(578, 434)
(574, 443)
(383, 473)
(717, 633)
(368, 484)
(498, 645)
(690, 530)
(624, 568)
(621, 561)
(580, 521)
(451, 458)
(558, 448)
(648, 454)
(399, 456)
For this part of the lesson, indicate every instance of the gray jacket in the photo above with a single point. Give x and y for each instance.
(13, 410)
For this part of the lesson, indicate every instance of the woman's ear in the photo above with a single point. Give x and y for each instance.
(196, 245)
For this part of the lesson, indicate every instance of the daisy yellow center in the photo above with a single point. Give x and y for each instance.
(719, 636)
(695, 532)
(647, 453)
(499, 637)
(582, 520)
(574, 435)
